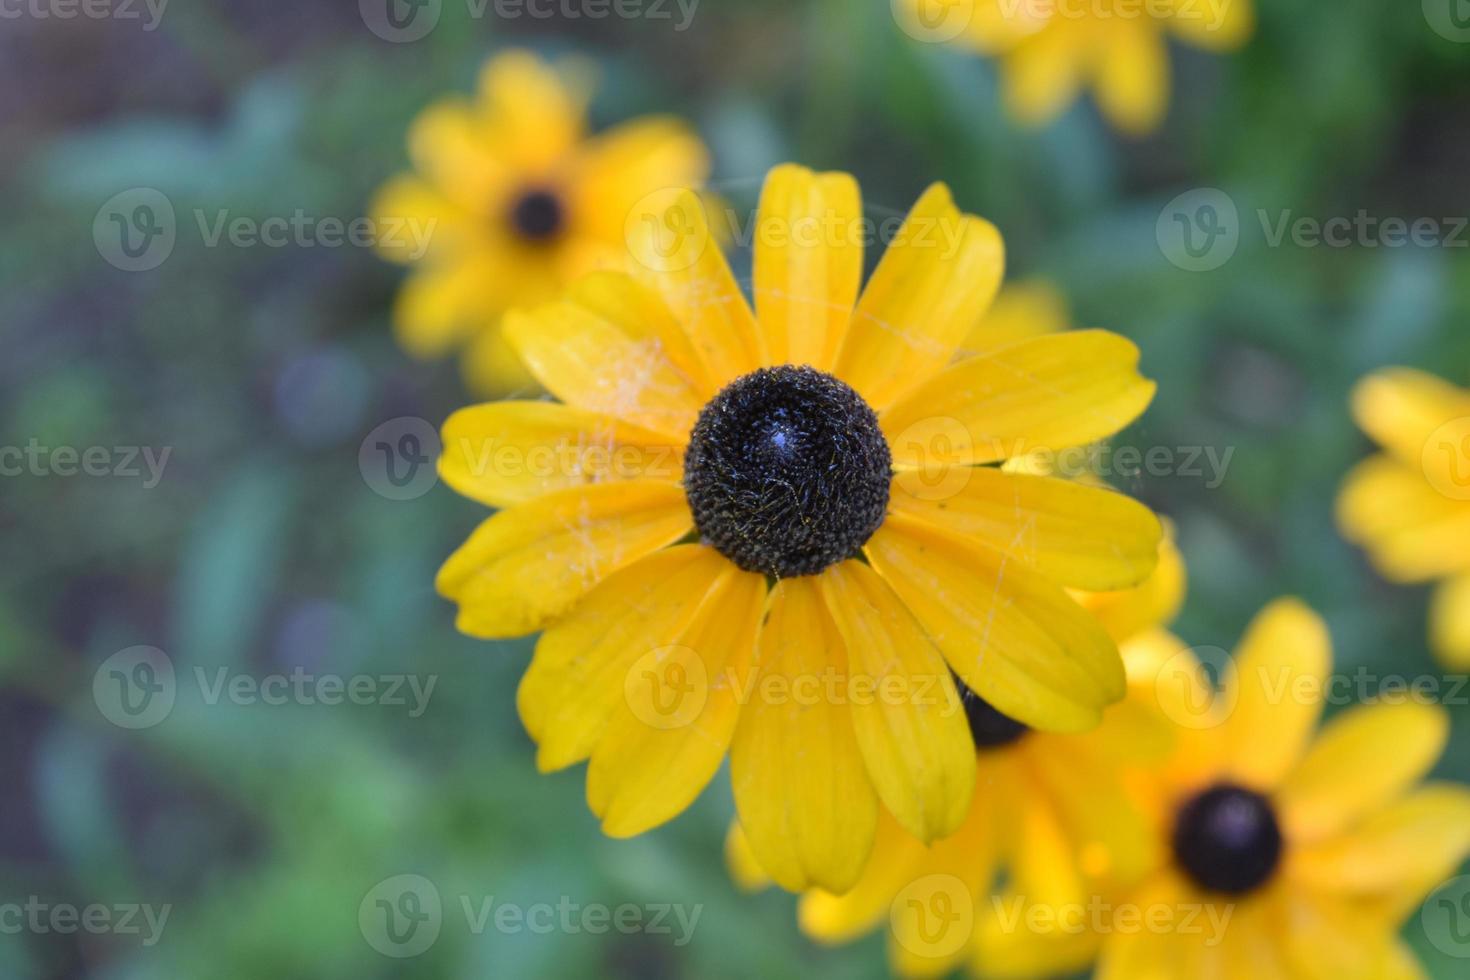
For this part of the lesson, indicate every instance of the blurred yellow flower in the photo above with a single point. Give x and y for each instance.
(1409, 506)
(1286, 852)
(1024, 309)
(516, 201)
(1051, 818)
(1049, 50)
(779, 532)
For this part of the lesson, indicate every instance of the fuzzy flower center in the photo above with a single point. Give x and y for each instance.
(787, 472)
(538, 215)
(1227, 839)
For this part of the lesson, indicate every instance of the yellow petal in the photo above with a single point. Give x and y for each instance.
(667, 737)
(492, 368)
(1280, 676)
(1074, 535)
(641, 315)
(588, 362)
(1040, 395)
(744, 867)
(527, 565)
(805, 800)
(1216, 25)
(451, 148)
(1449, 623)
(1423, 837)
(616, 169)
(1129, 612)
(906, 713)
(896, 856)
(808, 263)
(441, 305)
(1016, 639)
(1022, 310)
(1411, 531)
(1401, 408)
(505, 453)
(1042, 75)
(576, 679)
(1327, 937)
(933, 917)
(673, 250)
(413, 221)
(1364, 759)
(530, 111)
(1149, 954)
(1133, 75)
(931, 287)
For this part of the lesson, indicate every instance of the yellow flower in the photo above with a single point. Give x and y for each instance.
(1409, 506)
(510, 202)
(777, 532)
(1286, 855)
(1049, 50)
(1051, 819)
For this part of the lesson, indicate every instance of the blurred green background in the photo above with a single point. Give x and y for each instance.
(263, 549)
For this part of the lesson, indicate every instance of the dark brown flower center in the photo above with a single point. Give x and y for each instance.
(1227, 839)
(787, 471)
(538, 215)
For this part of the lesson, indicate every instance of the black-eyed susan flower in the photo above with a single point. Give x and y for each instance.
(1051, 820)
(1286, 852)
(1409, 505)
(515, 201)
(1050, 50)
(777, 532)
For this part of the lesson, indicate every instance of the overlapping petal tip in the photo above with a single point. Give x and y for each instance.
(526, 566)
(936, 279)
(1276, 692)
(1363, 760)
(808, 825)
(808, 263)
(1015, 638)
(1037, 396)
(512, 452)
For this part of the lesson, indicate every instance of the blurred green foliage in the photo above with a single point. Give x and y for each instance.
(262, 549)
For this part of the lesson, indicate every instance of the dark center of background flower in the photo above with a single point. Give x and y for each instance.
(990, 728)
(787, 471)
(1227, 839)
(538, 215)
